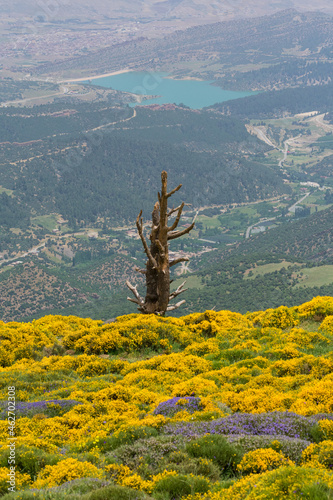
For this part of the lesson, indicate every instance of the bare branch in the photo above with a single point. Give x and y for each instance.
(134, 300)
(172, 308)
(142, 271)
(177, 234)
(177, 219)
(173, 191)
(177, 261)
(138, 299)
(173, 210)
(139, 225)
(160, 246)
(179, 290)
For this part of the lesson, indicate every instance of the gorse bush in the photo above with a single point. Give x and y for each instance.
(317, 455)
(65, 470)
(262, 460)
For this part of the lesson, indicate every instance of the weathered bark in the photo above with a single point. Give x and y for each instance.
(157, 270)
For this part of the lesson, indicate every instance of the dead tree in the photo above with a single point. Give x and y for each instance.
(158, 265)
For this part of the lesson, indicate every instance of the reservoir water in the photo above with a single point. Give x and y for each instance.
(193, 93)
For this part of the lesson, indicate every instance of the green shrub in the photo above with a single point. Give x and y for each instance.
(30, 460)
(217, 449)
(182, 463)
(317, 491)
(148, 452)
(234, 355)
(116, 493)
(76, 489)
(25, 495)
(317, 434)
(175, 487)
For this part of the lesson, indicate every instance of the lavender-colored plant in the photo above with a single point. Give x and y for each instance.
(275, 423)
(25, 409)
(172, 406)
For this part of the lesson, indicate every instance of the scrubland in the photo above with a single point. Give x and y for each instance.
(212, 406)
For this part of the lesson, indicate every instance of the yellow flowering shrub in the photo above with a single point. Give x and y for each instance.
(260, 400)
(317, 307)
(304, 338)
(136, 483)
(190, 335)
(317, 395)
(288, 351)
(21, 340)
(282, 317)
(327, 325)
(228, 320)
(66, 470)
(155, 421)
(326, 426)
(21, 480)
(117, 471)
(196, 385)
(175, 362)
(283, 483)
(210, 346)
(94, 367)
(162, 475)
(305, 365)
(319, 455)
(279, 484)
(262, 460)
(123, 476)
(252, 345)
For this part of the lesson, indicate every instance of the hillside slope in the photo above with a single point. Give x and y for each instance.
(260, 40)
(303, 243)
(213, 405)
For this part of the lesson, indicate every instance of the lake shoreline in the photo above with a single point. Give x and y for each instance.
(84, 79)
(162, 88)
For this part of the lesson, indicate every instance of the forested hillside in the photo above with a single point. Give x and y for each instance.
(293, 73)
(71, 172)
(233, 278)
(278, 102)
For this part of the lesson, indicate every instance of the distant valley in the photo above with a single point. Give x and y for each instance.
(79, 161)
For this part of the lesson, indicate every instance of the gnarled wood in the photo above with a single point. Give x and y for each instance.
(157, 270)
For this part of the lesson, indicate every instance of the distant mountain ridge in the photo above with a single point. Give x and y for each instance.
(156, 9)
(265, 39)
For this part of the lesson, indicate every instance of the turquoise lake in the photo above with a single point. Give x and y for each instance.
(193, 93)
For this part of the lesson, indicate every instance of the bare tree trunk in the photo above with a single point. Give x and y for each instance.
(157, 270)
